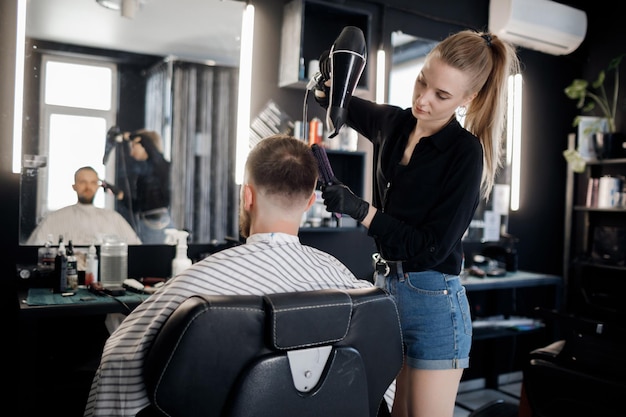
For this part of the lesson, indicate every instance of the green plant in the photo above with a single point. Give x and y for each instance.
(589, 96)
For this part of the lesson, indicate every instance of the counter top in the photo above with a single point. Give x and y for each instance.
(35, 301)
(516, 279)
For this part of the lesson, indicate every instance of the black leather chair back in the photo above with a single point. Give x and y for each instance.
(242, 356)
(579, 375)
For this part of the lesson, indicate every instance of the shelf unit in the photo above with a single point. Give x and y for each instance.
(594, 279)
(310, 28)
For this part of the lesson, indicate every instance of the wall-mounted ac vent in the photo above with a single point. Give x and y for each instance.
(542, 25)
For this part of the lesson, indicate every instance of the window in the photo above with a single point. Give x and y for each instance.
(78, 107)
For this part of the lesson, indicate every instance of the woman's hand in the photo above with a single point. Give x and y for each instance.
(338, 198)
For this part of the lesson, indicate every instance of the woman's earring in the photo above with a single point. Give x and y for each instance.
(461, 111)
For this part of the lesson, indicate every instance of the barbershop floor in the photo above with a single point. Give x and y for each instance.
(472, 394)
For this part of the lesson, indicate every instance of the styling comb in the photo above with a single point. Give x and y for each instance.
(326, 171)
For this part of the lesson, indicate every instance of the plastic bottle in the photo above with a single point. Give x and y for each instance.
(301, 75)
(91, 270)
(72, 267)
(46, 255)
(60, 269)
(114, 257)
(181, 261)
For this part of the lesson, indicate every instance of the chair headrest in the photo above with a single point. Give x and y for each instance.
(307, 319)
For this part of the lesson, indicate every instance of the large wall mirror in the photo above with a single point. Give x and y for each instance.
(171, 66)
(409, 51)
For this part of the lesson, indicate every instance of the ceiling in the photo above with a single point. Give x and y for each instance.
(199, 30)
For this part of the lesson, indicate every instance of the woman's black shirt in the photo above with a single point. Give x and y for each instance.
(424, 207)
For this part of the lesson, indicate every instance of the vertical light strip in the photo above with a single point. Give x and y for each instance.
(380, 76)
(245, 86)
(517, 142)
(18, 100)
(509, 120)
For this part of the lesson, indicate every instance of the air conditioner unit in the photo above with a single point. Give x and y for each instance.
(542, 25)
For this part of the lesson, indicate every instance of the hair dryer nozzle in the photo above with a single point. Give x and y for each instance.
(336, 117)
(347, 61)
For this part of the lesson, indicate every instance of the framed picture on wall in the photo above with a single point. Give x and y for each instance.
(587, 127)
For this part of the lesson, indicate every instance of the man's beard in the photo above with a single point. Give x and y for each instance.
(244, 223)
(83, 199)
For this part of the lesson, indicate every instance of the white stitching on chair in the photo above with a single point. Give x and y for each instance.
(182, 335)
(319, 342)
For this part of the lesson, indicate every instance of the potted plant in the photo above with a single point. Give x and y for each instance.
(592, 96)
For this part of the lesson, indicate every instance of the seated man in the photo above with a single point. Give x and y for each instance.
(83, 223)
(280, 178)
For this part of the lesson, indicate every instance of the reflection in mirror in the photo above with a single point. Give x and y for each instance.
(409, 52)
(407, 60)
(166, 70)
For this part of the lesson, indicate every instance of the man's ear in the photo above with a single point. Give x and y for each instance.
(311, 201)
(248, 196)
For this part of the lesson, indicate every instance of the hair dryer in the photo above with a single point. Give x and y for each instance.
(114, 135)
(348, 55)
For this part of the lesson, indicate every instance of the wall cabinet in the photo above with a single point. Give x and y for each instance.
(595, 244)
(310, 28)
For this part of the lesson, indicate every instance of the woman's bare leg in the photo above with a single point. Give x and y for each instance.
(426, 393)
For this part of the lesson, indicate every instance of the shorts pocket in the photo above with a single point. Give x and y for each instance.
(465, 310)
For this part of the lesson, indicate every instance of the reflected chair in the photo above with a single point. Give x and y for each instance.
(318, 353)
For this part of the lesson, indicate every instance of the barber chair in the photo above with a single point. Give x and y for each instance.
(319, 353)
(582, 374)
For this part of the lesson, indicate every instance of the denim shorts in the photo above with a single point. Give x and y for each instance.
(434, 316)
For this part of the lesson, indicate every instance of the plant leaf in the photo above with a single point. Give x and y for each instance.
(590, 106)
(577, 89)
(597, 83)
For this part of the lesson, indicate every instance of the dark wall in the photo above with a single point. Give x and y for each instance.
(9, 187)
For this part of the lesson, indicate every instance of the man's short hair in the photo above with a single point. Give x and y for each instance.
(85, 168)
(283, 165)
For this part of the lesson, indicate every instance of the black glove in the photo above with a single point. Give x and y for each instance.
(340, 199)
(320, 80)
(321, 92)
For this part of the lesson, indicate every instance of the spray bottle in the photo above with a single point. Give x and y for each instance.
(91, 271)
(178, 238)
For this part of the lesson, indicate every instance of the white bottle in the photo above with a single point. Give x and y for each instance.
(91, 270)
(46, 255)
(181, 261)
